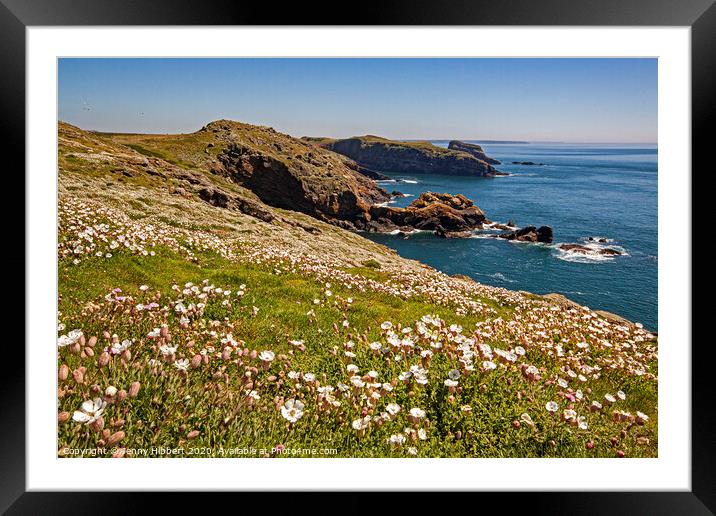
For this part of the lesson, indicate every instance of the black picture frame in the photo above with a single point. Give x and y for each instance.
(17, 15)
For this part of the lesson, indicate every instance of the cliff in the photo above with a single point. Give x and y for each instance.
(474, 150)
(390, 156)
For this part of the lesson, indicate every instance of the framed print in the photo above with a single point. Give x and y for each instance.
(432, 250)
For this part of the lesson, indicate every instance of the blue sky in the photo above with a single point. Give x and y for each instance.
(574, 100)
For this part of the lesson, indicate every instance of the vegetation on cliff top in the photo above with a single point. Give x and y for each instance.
(185, 323)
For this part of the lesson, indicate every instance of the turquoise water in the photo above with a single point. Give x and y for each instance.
(582, 191)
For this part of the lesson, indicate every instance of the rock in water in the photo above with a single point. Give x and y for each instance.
(474, 149)
(581, 249)
(530, 234)
(447, 215)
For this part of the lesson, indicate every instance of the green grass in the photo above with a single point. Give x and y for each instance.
(171, 405)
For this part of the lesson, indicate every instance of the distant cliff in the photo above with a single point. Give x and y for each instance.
(390, 156)
(474, 149)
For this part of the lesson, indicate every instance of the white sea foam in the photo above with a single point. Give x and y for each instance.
(409, 181)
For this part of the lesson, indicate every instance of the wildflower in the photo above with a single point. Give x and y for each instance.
(422, 434)
(609, 399)
(386, 325)
(621, 395)
(110, 391)
(69, 339)
(361, 424)
(392, 409)
(526, 419)
(415, 415)
(412, 450)
(552, 406)
(641, 418)
(182, 364)
(90, 412)
(595, 406)
(292, 410)
(454, 374)
(451, 383)
(267, 356)
(396, 439)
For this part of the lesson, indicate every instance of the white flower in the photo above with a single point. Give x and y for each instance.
(294, 375)
(582, 423)
(392, 408)
(454, 374)
(357, 382)
(488, 365)
(396, 439)
(309, 377)
(361, 423)
(110, 391)
(253, 395)
(562, 383)
(70, 338)
(154, 333)
(182, 364)
(375, 346)
(609, 399)
(450, 383)
(422, 434)
(267, 356)
(386, 325)
(621, 395)
(417, 413)
(412, 450)
(551, 406)
(526, 419)
(295, 342)
(641, 418)
(167, 350)
(292, 410)
(118, 348)
(91, 411)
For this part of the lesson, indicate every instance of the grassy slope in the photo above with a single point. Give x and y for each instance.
(211, 399)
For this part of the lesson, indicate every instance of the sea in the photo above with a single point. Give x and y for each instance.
(603, 191)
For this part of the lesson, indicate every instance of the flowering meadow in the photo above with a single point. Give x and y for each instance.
(172, 336)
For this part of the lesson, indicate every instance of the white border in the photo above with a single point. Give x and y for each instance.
(671, 470)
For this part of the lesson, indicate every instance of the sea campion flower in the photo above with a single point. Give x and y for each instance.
(90, 412)
(552, 406)
(182, 364)
(396, 439)
(292, 410)
(69, 339)
(415, 415)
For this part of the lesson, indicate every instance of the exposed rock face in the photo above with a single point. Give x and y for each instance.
(529, 163)
(581, 249)
(530, 234)
(391, 156)
(474, 149)
(447, 215)
(289, 173)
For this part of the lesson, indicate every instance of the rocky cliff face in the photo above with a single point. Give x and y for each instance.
(474, 150)
(390, 156)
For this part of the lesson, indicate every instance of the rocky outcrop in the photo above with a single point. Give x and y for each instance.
(289, 173)
(474, 149)
(582, 249)
(389, 156)
(530, 234)
(528, 163)
(447, 215)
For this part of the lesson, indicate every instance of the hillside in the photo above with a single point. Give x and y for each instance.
(195, 309)
(417, 157)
